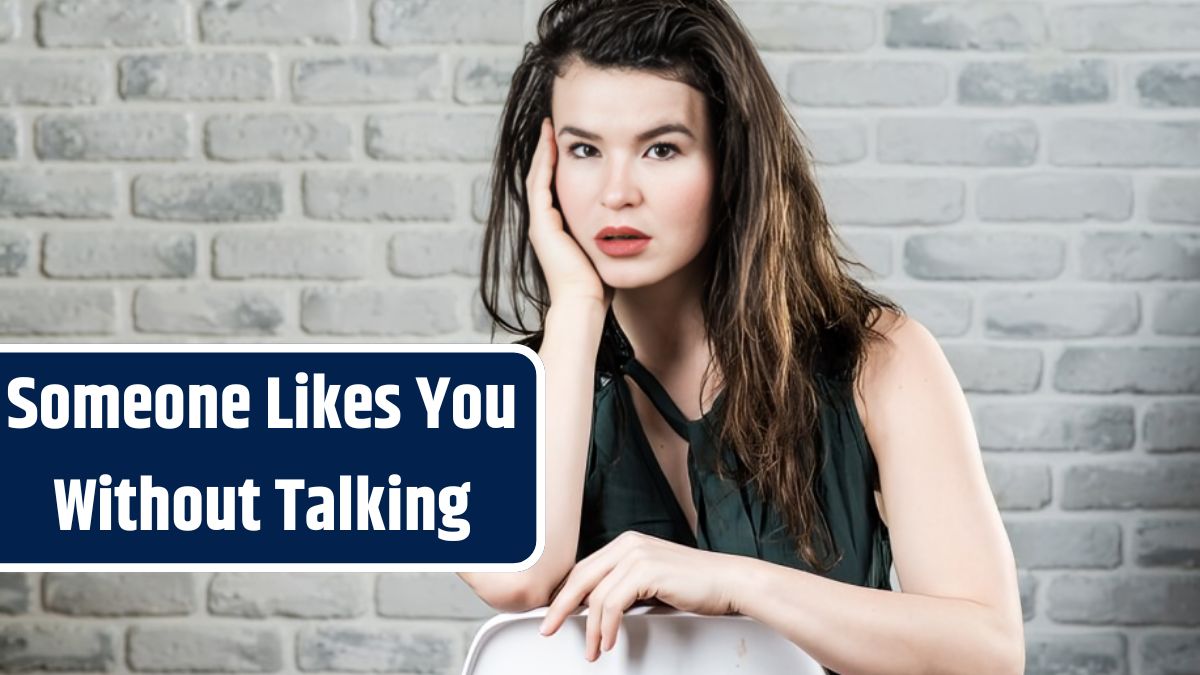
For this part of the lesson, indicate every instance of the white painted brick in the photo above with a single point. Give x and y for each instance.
(1168, 542)
(8, 137)
(303, 22)
(57, 194)
(893, 201)
(1060, 652)
(970, 142)
(114, 136)
(208, 311)
(294, 595)
(867, 83)
(54, 81)
(823, 27)
(429, 252)
(394, 78)
(1160, 483)
(1164, 654)
(429, 595)
(14, 252)
(1138, 370)
(57, 311)
(1139, 256)
(281, 137)
(1060, 314)
(9, 22)
(987, 255)
(981, 25)
(1046, 81)
(119, 254)
(215, 648)
(49, 646)
(14, 593)
(945, 313)
(111, 23)
(835, 141)
(1055, 427)
(1027, 588)
(874, 251)
(481, 197)
(362, 649)
(1018, 487)
(1055, 197)
(291, 254)
(1126, 27)
(1177, 312)
(119, 594)
(1065, 544)
(356, 195)
(208, 197)
(1175, 199)
(483, 79)
(1131, 599)
(402, 22)
(421, 136)
(197, 77)
(1125, 142)
(1168, 84)
(379, 310)
(995, 370)
(1172, 426)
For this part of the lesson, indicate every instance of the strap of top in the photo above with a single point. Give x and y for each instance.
(728, 518)
(645, 379)
(658, 396)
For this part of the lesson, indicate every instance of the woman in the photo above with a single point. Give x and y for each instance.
(651, 201)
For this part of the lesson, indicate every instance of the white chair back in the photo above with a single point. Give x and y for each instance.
(653, 639)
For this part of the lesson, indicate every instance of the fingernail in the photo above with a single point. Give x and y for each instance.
(542, 627)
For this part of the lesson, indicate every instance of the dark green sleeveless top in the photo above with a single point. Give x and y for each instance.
(626, 489)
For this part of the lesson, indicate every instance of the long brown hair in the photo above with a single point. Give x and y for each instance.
(780, 306)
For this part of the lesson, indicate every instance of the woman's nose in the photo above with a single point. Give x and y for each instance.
(621, 187)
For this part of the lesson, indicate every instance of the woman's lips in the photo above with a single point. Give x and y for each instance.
(617, 241)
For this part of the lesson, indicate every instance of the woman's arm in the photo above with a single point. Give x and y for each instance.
(568, 352)
(960, 611)
(855, 630)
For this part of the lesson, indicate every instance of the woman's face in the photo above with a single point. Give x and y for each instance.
(634, 151)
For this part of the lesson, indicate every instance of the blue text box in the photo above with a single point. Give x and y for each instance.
(236, 457)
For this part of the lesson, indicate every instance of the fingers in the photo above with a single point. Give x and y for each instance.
(580, 581)
(584, 577)
(541, 170)
(617, 597)
(600, 612)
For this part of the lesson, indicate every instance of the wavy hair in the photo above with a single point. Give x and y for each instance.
(780, 305)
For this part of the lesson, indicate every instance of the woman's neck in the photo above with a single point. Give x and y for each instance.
(664, 324)
(664, 329)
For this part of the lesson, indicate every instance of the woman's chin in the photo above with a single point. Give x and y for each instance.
(627, 281)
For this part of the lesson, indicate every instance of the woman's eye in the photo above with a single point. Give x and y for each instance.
(662, 151)
(666, 146)
(577, 146)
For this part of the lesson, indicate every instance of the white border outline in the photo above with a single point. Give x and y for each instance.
(324, 347)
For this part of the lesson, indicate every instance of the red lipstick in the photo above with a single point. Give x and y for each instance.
(623, 241)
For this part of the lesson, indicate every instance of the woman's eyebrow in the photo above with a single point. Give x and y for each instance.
(644, 136)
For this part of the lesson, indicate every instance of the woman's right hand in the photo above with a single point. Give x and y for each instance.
(569, 273)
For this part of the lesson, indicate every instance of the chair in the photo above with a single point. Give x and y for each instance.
(653, 639)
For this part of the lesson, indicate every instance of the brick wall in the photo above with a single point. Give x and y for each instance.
(1023, 177)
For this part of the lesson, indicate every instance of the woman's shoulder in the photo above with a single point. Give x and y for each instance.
(907, 350)
(902, 338)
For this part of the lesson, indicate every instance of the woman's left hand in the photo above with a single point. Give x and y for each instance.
(636, 566)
